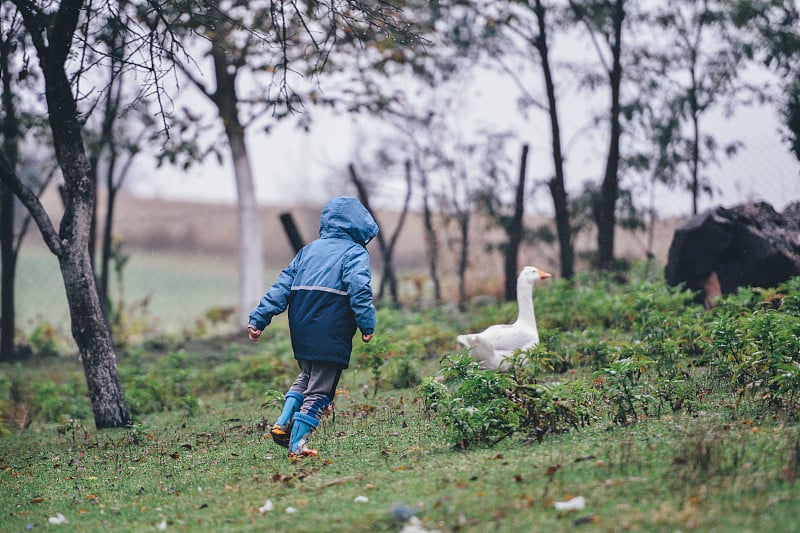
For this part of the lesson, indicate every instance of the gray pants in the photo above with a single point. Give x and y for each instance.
(317, 383)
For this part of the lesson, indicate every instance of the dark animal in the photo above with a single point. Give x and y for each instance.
(722, 249)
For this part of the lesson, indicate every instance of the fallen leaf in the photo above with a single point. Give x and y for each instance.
(37, 500)
(552, 470)
(591, 519)
(340, 481)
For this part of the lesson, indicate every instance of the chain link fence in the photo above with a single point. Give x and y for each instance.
(176, 289)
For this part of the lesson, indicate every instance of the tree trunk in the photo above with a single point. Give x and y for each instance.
(463, 256)
(90, 330)
(607, 202)
(108, 232)
(8, 255)
(431, 240)
(388, 278)
(291, 231)
(107, 140)
(251, 256)
(89, 327)
(8, 264)
(557, 183)
(515, 230)
(695, 161)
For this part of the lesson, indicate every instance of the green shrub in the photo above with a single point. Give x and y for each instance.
(44, 340)
(474, 404)
(483, 407)
(757, 347)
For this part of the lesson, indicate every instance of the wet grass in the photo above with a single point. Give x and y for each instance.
(382, 457)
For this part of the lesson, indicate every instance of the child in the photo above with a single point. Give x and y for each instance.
(327, 290)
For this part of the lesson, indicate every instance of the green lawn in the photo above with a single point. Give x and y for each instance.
(660, 415)
(172, 291)
(213, 471)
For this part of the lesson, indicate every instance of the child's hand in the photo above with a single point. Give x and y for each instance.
(366, 338)
(253, 333)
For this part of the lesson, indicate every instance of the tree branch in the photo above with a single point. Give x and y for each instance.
(32, 203)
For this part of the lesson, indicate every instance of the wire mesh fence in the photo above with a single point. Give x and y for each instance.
(175, 289)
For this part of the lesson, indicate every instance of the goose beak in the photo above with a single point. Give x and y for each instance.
(544, 275)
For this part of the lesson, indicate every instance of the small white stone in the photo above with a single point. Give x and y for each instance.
(267, 507)
(575, 504)
(57, 519)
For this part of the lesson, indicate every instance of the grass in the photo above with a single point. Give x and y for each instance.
(196, 458)
(167, 290)
(213, 470)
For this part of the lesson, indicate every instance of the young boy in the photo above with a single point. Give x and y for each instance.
(327, 290)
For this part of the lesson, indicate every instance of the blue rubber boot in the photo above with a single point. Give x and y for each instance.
(282, 428)
(302, 427)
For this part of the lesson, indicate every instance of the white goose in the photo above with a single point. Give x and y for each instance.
(494, 344)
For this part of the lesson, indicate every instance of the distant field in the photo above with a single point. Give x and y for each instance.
(179, 288)
(183, 259)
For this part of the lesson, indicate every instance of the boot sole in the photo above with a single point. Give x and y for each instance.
(281, 435)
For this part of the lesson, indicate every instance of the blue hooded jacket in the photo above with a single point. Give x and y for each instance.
(327, 286)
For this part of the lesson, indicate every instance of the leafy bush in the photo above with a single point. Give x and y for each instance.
(475, 405)
(757, 347)
(483, 407)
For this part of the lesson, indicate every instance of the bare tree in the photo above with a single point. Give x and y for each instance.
(389, 276)
(113, 141)
(604, 20)
(431, 234)
(695, 73)
(535, 36)
(515, 230)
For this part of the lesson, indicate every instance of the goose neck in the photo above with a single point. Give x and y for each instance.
(525, 303)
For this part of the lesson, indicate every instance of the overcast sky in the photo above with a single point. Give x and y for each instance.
(291, 166)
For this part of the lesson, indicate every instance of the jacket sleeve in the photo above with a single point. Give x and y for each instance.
(275, 300)
(357, 277)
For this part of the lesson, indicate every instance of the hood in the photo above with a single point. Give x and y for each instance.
(346, 218)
